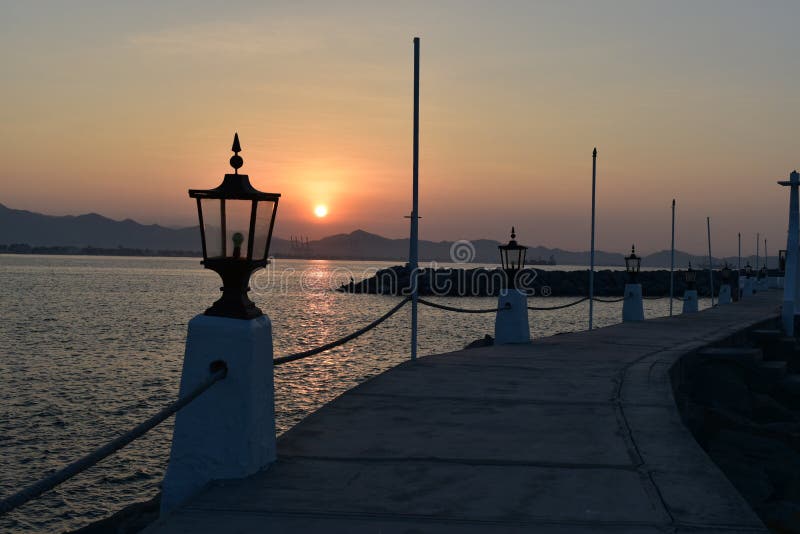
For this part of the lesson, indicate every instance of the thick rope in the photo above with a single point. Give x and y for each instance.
(458, 310)
(609, 301)
(64, 474)
(559, 307)
(311, 352)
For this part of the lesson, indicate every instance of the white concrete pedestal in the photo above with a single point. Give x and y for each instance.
(724, 294)
(690, 301)
(748, 287)
(229, 431)
(633, 305)
(511, 323)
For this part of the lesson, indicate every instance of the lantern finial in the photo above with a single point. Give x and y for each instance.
(633, 249)
(236, 159)
(513, 233)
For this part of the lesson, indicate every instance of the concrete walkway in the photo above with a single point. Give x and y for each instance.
(573, 433)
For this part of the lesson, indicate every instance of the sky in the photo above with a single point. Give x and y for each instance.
(120, 107)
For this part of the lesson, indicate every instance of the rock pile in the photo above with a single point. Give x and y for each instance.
(488, 282)
(745, 412)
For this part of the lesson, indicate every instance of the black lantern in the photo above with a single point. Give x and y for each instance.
(512, 257)
(236, 222)
(725, 274)
(633, 264)
(748, 270)
(690, 277)
(782, 260)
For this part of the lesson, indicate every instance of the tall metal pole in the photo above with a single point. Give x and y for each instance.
(672, 262)
(414, 252)
(740, 251)
(710, 266)
(789, 281)
(591, 254)
(758, 242)
(766, 255)
(739, 269)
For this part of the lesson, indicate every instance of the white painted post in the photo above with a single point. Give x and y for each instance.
(633, 304)
(790, 279)
(511, 322)
(724, 294)
(749, 287)
(690, 301)
(229, 431)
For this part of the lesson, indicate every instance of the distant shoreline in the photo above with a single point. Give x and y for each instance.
(26, 249)
(123, 252)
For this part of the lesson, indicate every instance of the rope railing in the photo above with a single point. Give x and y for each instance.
(533, 308)
(219, 370)
(341, 341)
(608, 301)
(458, 310)
(561, 307)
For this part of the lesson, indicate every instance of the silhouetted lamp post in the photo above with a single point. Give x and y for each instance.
(748, 283)
(511, 322)
(690, 277)
(690, 303)
(231, 433)
(633, 303)
(725, 274)
(633, 264)
(512, 258)
(236, 222)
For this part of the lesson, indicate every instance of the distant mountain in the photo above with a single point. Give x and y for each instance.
(362, 245)
(20, 226)
(93, 230)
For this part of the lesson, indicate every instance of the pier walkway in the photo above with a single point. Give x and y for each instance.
(572, 433)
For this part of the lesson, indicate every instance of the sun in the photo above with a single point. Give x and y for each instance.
(320, 210)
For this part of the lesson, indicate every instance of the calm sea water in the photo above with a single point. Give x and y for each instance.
(91, 346)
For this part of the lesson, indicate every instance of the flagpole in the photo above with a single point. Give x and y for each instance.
(414, 238)
(672, 262)
(710, 266)
(591, 254)
(758, 243)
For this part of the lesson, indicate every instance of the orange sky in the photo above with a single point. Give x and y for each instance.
(119, 109)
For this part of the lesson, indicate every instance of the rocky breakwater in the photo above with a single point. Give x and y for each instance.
(488, 282)
(742, 403)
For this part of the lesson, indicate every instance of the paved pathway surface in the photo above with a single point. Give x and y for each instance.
(572, 433)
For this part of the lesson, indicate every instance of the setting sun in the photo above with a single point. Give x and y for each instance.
(320, 210)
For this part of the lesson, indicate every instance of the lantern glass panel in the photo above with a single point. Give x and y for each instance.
(633, 264)
(237, 228)
(263, 221)
(212, 224)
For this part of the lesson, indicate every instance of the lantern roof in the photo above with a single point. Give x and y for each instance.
(633, 255)
(512, 244)
(235, 186)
